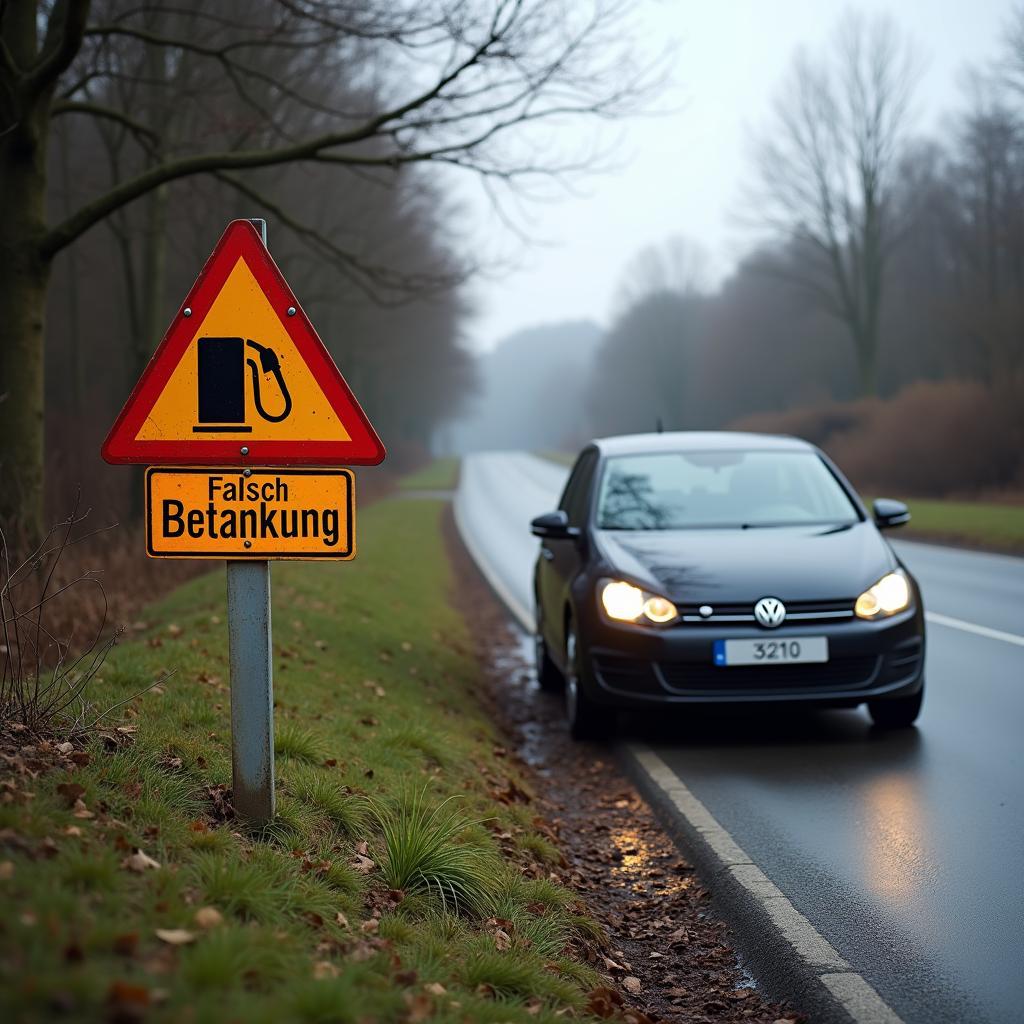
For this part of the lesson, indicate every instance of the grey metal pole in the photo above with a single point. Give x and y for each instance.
(252, 682)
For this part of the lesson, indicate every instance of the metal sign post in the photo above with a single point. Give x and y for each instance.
(252, 690)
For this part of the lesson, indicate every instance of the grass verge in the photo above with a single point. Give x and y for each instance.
(971, 523)
(439, 475)
(404, 877)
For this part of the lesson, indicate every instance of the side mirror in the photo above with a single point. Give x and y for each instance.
(554, 526)
(890, 513)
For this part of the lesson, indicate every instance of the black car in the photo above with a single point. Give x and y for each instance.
(722, 568)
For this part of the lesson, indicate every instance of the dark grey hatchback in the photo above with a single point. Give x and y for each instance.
(722, 568)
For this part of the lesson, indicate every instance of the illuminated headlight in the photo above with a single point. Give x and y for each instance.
(626, 603)
(889, 595)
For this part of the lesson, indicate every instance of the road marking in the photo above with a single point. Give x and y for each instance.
(971, 627)
(857, 997)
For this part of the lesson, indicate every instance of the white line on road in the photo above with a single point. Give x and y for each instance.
(497, 583)
(857, 997)
(971, 627)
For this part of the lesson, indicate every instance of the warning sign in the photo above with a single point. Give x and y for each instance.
(242, 377)
(252, 513)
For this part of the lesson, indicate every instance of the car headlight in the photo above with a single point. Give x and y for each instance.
(891, 594)
(626, 603)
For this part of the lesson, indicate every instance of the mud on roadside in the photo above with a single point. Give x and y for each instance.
(668, 958)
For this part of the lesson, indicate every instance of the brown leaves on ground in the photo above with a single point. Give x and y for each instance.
(175, 936)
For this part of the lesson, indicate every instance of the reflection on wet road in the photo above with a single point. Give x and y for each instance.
(906, 850)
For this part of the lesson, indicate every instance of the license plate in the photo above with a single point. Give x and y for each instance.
(791, 650)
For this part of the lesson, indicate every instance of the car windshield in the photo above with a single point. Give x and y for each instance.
(740, 489)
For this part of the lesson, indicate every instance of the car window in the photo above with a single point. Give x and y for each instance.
(576, 496)
(680, 490)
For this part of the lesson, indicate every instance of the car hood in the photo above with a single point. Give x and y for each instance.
(794, 563)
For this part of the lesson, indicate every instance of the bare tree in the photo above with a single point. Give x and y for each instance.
(675, 265)
(450, 82)
(826, 171)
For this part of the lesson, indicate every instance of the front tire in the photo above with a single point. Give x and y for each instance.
(898, 712)
(549, 678)
(587, 720)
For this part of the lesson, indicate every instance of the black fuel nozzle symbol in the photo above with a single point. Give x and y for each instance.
(221, 384)
(269, 363)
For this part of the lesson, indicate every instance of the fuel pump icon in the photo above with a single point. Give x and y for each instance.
(221, 384)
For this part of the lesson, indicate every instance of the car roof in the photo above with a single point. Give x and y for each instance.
(699, 440)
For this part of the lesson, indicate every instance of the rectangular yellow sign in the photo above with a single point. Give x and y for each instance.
(250, 513)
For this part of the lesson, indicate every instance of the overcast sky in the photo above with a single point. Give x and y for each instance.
(685, 172)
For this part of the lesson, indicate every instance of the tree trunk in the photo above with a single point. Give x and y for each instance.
(867, 365)
(23, 280)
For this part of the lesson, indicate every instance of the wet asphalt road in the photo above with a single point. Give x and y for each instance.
(906, 851)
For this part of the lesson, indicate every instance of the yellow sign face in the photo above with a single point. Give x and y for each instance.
(250, 513)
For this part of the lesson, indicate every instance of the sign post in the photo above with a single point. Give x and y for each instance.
(252, 690)
(242, 382)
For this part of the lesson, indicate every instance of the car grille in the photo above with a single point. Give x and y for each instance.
(798, 611)
(699, 678)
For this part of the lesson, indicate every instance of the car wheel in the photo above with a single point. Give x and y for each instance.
(587, 720)
(897, 713)
(548, 676)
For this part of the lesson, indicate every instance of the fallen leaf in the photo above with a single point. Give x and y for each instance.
(502, 940)
(125, 944)
(435, 988)
(363, 864)
(341, 919)
(71, 791)
(72, 830)
(6, 870)
(419, 1007)
(81, 811)
(65, 748)
(127, 999)
(139, 862)
(208, 917)
(325, 969)
(175, 936)
(631, 985)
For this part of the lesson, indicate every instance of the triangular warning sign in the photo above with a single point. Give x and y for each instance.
(242, 377)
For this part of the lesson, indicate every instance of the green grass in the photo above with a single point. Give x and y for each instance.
(975, 523)
(380, 741)
(424, 855)
(439, 475)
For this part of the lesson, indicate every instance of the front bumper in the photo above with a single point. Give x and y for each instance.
(636, 667)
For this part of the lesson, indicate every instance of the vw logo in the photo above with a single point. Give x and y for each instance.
(770, 612)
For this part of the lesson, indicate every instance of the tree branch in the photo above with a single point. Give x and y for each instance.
(64, 34)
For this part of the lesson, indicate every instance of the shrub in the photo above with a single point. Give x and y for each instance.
(933, 439)
(45, 667)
